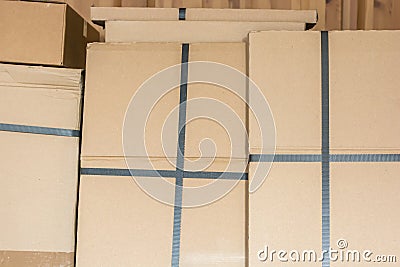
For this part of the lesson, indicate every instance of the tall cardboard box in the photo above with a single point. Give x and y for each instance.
(39, 136)
(119, 222)
(44, 34)
(335, 177)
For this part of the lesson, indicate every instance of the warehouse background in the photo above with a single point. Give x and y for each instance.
(333, 14)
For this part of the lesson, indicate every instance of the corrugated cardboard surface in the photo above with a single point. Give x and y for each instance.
(286, 68)
(285, 212)
(119, 223)
(364, 208)
(362, 92)
(365, 92)
(55, 34)
(113, 79)
(39, 172)
(203, 14)
(131, 222)
(190, 31)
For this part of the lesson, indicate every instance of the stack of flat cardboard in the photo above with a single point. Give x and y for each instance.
(116, 216)
(329, 93)
(43, 47)
(196, 24)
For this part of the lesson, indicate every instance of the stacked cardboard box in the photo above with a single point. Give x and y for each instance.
(336, 170)
(40, 130)
(118, 222)
(55, 35)
(39, 135)
(195, 24)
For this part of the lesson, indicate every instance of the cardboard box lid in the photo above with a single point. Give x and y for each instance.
(101, 14)
(40, 96)
(55, 35)
(287, 68)
(115, 73)
(190, 31)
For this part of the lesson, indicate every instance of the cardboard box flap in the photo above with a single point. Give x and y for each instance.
(101, 14)
(21, 75)
(40, 96)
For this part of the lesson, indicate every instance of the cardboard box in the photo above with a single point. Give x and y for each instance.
(343, 188)
(300, 76)
(55, 35)
(119, 223)
(40, 108)
(285, 212)
(111, 84)
(190, 31)
(131, 220)
(101, 14)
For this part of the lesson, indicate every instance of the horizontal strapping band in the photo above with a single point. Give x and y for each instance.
(127, 172)
(38, 130)
(318, 158)
(365, 157)
(216, 175)
(285, 158)
(162, 173)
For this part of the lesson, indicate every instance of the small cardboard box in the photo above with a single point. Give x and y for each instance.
(40, 111)
(44, 34)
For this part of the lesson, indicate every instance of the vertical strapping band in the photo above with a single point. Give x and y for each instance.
(325, 146)
(182, 13)
(176, 235)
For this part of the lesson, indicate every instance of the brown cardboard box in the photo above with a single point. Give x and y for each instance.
(39, 171)
(285, 212)
(100, 14)
(300, 76)
(55, 35)
(190, 31)
(112, 80)
(278, 75)
(118, 222)
(351, 196)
